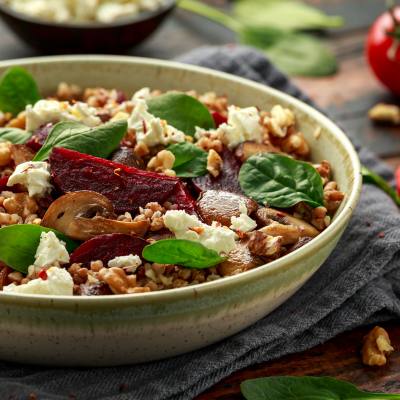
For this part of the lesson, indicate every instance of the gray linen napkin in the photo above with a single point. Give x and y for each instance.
(360, 283)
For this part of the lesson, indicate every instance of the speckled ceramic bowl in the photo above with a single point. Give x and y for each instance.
(113, 330)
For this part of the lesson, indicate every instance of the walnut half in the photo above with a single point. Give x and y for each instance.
(376, 347)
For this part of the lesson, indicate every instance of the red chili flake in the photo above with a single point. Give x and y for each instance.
(397, 174)
(144, 126)
(42, 274)
(381, 235)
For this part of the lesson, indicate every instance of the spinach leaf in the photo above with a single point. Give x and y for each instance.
(100, 141)
(281, 181)
(181, 111)
(17, 90)
(284, 14)
(14, 135)
(181, 252)
(305, 388)
(18, 245)
(190, 161)
(373, 178)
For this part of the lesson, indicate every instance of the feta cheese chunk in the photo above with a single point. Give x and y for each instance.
(50, 251)
(243, 124)
(188, 227)
(243, 223)
(143, 93)
(58, 283)
(131, 261)
(150, 130)
(46, 111)
(34, 175)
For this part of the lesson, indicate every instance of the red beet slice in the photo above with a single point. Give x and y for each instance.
(3, 184)
(227, 180)
(219, 119)
(128, 188)
(107, 247)
(39, 137)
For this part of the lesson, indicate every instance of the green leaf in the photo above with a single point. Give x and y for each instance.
(181, 252)
(293, 53)
(306, 388)
(17, 90)
(281, 181)
(373, 178)
(287, 15)
(18, 245)
(100, 141)
(14, 135)
(181, 111)
(190, 161)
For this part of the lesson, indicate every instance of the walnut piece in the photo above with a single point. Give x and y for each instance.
(117, 280)
(376, 347)
(5, 153)
(385, 113)
(162, 162)
(279, 121)
(261, 244)
(214, 163)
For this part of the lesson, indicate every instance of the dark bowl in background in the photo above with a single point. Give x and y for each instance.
(114, 37)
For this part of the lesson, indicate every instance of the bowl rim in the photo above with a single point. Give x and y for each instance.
(205, 288)
(121, 22)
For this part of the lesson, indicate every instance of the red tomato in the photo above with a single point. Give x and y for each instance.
(383, 49)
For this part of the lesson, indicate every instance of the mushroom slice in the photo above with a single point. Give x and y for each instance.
(85, 214)
(265, 215)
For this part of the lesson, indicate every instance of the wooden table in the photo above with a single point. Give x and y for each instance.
(347, 96)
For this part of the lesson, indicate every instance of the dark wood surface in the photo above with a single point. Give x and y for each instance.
(347, 96)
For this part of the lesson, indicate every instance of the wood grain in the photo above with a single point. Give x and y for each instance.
(338, 358)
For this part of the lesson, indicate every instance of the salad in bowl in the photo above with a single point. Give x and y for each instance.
(104, 192)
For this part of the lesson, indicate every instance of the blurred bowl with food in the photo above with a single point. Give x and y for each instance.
(84, 26)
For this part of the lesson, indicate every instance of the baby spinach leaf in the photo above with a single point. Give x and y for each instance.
(18, 245)
(284, 14)
(374, 179)
(181, 252)
(181, 111)
(100, 141)
(17, 90)
(281, 181)
(306, 388)
(190, 161)
(14, 135)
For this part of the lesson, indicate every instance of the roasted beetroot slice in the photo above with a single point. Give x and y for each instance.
(128, 188)
(39, 137)
(227, 180)
(107, 247)
(3, 184)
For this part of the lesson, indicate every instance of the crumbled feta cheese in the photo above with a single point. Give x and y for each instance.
(50, 251)
(214, 237)
(243, 223)
(243, 124)
(58, 283)
(83, 10)
(109, 12)
(143, 93)
(45, 111)
(131, 262)
(34, 175)
(150, 130)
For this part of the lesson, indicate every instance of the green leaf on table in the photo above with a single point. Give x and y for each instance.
(17, 90)
(287, 15)
(280, 181)
(18, 245)
(181, 252)
(306, 388)
(293, 53)
(181, 111)
(374, 179)
(14, 135)
(100, 141)
(190, 160)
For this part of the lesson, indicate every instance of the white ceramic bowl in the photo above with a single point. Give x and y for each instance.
(114, 330)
